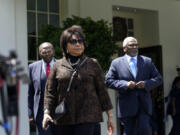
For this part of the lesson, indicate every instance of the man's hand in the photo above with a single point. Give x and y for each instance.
(31, 119)
(131, 85)
(140, 85)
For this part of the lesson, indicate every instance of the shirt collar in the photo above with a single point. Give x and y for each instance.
(51, 63)
(44, 64)
(129, 57)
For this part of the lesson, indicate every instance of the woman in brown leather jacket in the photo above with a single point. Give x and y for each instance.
(88, 96)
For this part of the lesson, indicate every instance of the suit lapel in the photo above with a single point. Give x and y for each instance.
(139, 66)
(40, 73)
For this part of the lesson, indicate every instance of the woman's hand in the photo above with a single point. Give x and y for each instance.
(110, 125)
(47, 118)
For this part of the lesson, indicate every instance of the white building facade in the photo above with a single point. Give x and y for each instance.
(156, 22)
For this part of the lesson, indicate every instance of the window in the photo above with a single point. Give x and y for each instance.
(122, 27)
(40, 12)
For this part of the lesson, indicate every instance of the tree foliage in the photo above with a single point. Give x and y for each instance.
(101, 43)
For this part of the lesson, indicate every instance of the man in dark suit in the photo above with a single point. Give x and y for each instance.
(133, 76)
(38, 73)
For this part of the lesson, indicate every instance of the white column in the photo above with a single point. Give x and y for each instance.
(13, 36)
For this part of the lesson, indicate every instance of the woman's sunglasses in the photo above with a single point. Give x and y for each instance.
(74, 41)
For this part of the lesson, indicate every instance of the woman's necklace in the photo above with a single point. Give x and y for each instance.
(73, 64)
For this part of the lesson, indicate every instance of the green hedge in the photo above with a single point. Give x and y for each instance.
(99, 37)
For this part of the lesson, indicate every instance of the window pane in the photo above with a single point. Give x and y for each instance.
(119, 28)
(31, 18)
(31, 5)
(42, 5)
(32, 48)
(130, 23)
(54, 20)
(54, 6)
(42, 19)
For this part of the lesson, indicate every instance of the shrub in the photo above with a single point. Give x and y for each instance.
(101, 43)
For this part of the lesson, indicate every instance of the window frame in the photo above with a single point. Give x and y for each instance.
(36, 35)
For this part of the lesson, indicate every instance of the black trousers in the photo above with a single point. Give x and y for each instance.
(176, 125)
(97, 130)
(78, 129)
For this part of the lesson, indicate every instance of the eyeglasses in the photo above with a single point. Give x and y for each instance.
(74, 41)
(133, 45)
(46, 51)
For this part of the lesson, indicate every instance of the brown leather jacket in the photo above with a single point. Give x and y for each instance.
(88, 96)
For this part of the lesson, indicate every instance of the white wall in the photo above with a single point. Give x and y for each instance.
(169, 18)
(13, 36)
(145, 24)
(72, 6)
(7, 33)
(168, 15)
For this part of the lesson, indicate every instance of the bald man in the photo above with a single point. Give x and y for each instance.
(133, 76)
(38, 73)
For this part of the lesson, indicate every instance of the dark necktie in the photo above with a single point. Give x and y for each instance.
(133, 66)
(47, 70)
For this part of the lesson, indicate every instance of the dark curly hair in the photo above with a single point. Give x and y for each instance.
(67, 35)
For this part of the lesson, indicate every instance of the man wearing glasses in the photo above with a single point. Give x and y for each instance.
(38, 74)
(133, 76)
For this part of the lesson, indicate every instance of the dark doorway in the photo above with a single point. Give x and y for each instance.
(155, 53)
